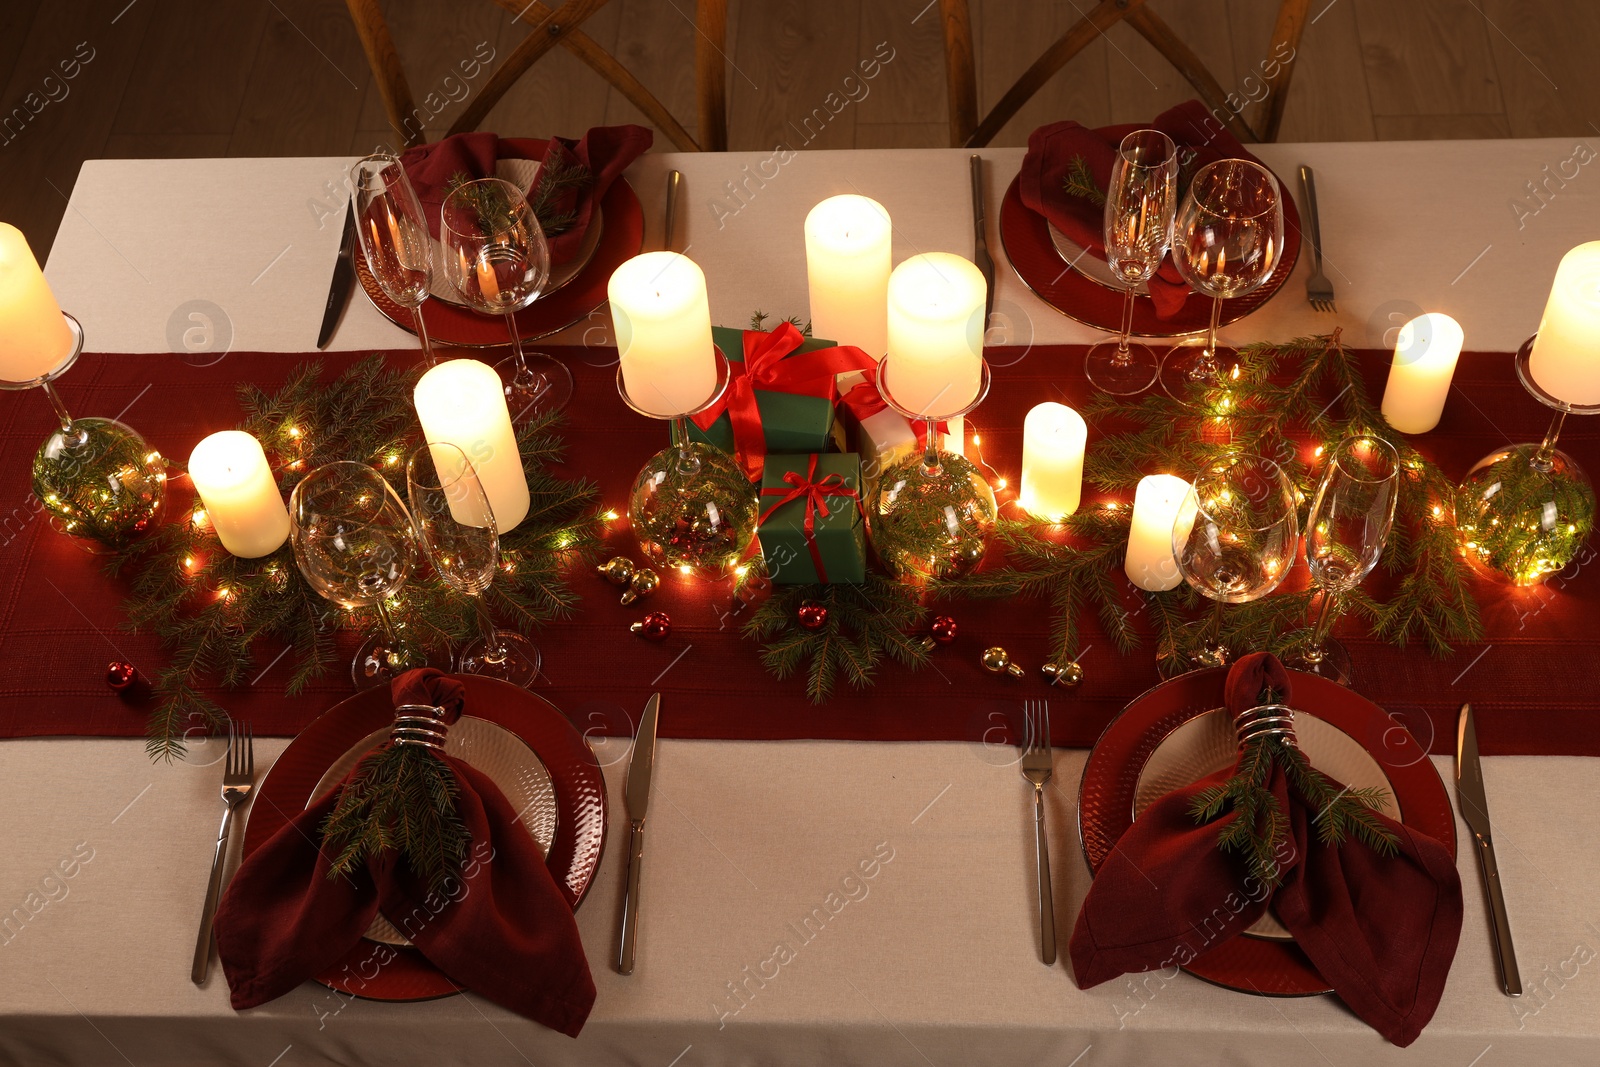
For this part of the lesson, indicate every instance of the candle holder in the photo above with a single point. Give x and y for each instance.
(692, 507)
(99, 480)
(1523, 511)
(933, 514)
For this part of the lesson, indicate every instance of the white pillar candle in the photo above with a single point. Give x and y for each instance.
(241, 497)
(663, 324)
(847, 266)
(1425, 357)
(1157, 503)
(1566, 355)
(1053, 438)
(34, 337)
(462, 402)
(935, 333)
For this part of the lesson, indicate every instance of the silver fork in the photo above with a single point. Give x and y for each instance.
(238, 778)
(1319, 290)
(1037, 766)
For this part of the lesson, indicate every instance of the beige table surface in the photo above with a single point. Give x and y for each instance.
(933, 960)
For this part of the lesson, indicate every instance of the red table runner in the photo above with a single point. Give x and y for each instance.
(1531, 681)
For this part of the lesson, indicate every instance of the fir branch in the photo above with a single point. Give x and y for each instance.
(1080, 182)
(403, 798)
(758, 322)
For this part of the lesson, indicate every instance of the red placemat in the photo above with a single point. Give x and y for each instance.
(1530, 682)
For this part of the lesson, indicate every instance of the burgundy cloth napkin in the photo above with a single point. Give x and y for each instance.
(502, 928)
(1200, 139)
(1381, 930)
(606, 151)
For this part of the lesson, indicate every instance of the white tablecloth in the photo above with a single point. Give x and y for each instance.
(933, 960)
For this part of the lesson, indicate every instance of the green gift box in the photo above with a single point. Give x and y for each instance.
(795, 487)
(790, 422)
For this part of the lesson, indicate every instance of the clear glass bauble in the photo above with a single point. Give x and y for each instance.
(931, 522)
(693, 509)
(100, 481)
(1522, 515)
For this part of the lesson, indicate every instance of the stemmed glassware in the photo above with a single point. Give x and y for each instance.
(1235, 538)
(1140, 204)
(496, 255)
(354, 543)
(1226, 242)
(1346, 529)
(456, 527)
(394, 236)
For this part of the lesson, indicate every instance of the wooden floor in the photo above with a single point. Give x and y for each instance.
(158, 78)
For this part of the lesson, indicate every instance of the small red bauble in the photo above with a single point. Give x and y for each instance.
(812, 616)
(653, 627)
(120, 675)
(943, 629)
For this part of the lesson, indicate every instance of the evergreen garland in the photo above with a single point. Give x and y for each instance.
(403, 798)
(209, 608)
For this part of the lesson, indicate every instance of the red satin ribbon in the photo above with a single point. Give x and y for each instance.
(814, 491)
(864, 400)
(766, 367)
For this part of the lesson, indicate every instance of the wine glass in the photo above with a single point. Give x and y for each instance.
(353, 542)
(1140, 204)
(394, 236)
(1235, 538)
(497, 258)
(1227, 239)
(456, 527)
(1349, 522)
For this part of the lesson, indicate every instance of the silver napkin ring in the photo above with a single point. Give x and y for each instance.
(1265, 720)
(419, 724)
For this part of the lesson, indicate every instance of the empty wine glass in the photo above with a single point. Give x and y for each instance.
(497, 258)
(394, 236)
(1140, 204)
(1349, 522)
(1235, 538)
(353, 542)
(456, 527)
(1226, 242)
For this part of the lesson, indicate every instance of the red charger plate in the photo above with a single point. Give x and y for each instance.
(1105, 802)
(1026, 238)
(621, 238)
(387, 972)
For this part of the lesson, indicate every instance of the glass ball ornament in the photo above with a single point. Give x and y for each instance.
(693, 510)
(932, 522)
(1524, 512)
(100, 481)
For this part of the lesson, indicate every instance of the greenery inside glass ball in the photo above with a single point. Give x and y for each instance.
(932, 523)
(693, 508)
(1523, 517)
(101, 481)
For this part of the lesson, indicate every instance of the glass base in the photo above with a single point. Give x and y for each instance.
(1522, 517)
(100, 480)
(1192, 363)
(378, 662)
(693, 510)
(932, 523)
(517, 659)
(1119, 374)
(1332, 662)
(540, 387)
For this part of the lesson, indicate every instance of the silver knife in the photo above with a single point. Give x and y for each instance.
(980, 239)
(674, 186)
(344, 276)
(637, 794)
(1475, 811)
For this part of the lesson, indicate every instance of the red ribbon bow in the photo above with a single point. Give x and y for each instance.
(765, 367)
(814, 491)
(865, 400)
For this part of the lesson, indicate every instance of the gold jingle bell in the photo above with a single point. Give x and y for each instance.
(644, 582)
(1068, 675)
(618, 570)
(998, 660)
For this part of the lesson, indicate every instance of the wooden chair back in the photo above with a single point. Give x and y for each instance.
(967, 131)
(553, 26)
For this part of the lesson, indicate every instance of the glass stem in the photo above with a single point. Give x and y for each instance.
(1121, 358)
(422, 334)
(387, 623)
(1544, 459)
(688, 462)
(494, 650)
(516, 343)
(1216, 625)
(56, 402)
(1208, 362)
(1327, 614)
(930, 449)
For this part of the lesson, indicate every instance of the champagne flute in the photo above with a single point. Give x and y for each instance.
(1349, 522)
(1235, 538)
(1226, 242)
(353, 542)
(497, 258)
(394, 236)
(456, 527)
(1140, 204)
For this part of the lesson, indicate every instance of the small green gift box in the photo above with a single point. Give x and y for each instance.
(812, 528)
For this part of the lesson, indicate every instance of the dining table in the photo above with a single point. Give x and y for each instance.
(756, 843)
